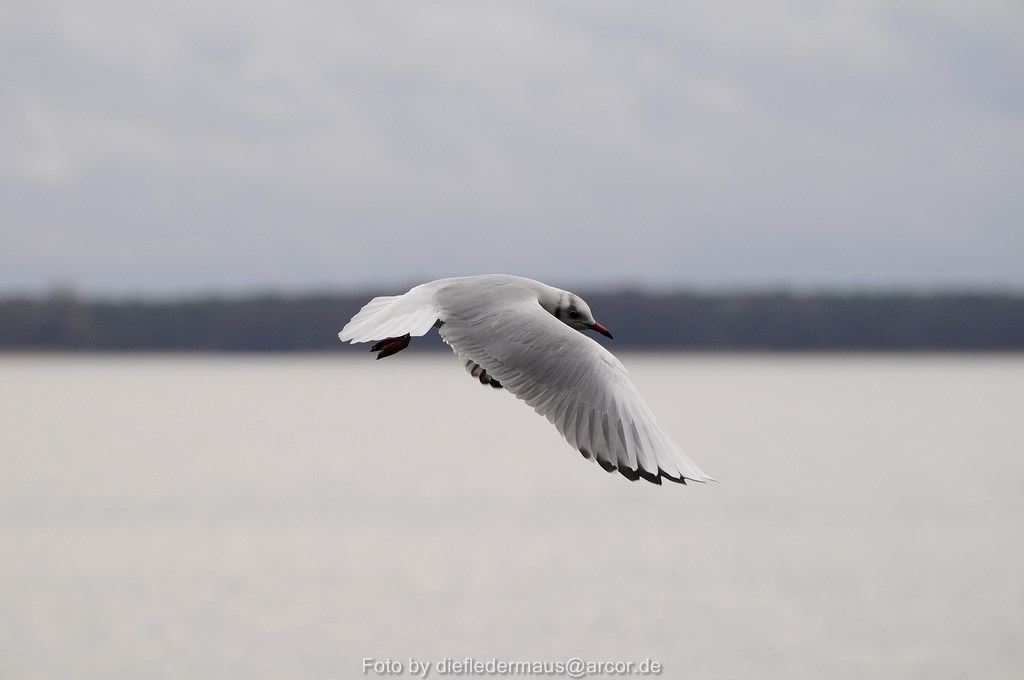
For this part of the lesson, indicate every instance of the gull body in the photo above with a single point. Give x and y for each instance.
(524, 336)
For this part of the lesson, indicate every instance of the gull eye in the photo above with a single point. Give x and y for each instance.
(573, 314)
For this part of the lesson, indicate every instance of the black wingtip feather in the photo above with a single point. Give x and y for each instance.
(653, 479)
(633, 475)
(630, 474)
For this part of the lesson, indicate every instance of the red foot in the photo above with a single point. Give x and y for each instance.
(390, 346)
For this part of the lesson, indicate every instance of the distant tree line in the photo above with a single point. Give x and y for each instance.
(640, 320)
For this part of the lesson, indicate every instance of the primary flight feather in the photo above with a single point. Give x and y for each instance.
(523, 335)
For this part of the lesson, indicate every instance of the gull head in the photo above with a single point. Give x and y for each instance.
(571, 310)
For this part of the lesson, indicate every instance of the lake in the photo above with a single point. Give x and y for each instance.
(195, 516)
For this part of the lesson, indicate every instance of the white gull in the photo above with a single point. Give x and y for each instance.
(521, 334)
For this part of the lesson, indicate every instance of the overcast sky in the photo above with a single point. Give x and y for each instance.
(169, 147)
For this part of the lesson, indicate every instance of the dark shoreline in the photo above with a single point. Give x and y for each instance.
(704, 321)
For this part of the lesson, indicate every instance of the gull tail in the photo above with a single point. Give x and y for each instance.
(392, 316)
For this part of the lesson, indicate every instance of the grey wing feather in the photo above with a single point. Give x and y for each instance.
(568, 378)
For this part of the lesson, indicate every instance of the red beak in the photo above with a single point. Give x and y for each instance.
(600, 329)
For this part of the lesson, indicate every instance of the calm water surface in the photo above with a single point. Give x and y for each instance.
(284, 517)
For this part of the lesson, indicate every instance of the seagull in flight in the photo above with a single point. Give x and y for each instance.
(524, 336)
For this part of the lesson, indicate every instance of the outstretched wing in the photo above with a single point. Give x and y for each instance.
(392, 316)
(568, 378)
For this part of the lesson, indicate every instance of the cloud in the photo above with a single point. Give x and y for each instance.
(232, 145)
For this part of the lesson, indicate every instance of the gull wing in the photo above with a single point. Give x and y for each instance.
(568, 378)
(391, 316)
